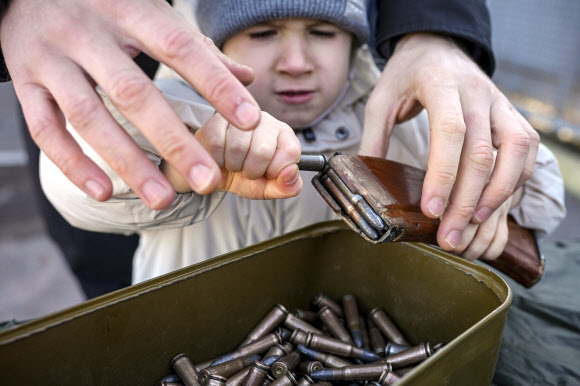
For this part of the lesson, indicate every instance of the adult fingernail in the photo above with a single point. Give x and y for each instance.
(154, 192)
(95, 189)
(200, 177)
(436, 206)
(247, 115)
(482, 214)
(452, 238)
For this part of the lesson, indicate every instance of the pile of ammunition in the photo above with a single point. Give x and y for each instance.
(303, 348)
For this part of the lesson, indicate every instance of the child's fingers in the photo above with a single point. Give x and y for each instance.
(262, 148)
(212, 135)
(237, 145)
(287, 153)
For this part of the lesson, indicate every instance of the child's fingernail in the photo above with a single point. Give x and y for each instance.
(452, 238)
(95, 189)
(154, 192)
(200, 177)
(291, 176)
(482, 214)
(247, 115)
(436, 206)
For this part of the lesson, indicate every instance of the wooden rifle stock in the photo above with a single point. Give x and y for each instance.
(393, 190)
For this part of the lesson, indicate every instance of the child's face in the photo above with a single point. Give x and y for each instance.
(301, 66)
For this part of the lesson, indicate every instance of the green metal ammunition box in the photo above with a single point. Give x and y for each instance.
(206, 310)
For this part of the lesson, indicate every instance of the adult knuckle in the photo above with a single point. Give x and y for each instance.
(120, 165)
(445, 177)
(173, 146)
(129, 91)
(464, 211)
(81, 112)
(177, 43)
(41, 127)
(481, 157)
(221, 87)
(452, 125)
(69, 163)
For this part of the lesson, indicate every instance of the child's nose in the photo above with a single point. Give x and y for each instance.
(294, 58)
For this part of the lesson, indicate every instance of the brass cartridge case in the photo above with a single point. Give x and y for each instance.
(393, 348)
(336, 328)
(185, 369)
(227, 369)
(238, 378)
(286, 363)
(366, 372)
(352, 317)
(305, 380)
(307, 316)
(307, 367)
(272, 319)
(256, 375)
(365, 334)
(388, 378)
(287, 379)
(260, 346)
(295, 323)
(327, 360)
(387, 327)
(332, 346)
(410, 356)
(216, 380)
(321, 300)
(376, 339)
(268, 380)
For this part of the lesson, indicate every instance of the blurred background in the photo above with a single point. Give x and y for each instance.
(537, 46)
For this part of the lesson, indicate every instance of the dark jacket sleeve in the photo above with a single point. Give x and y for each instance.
(467, 21)
(4, 75)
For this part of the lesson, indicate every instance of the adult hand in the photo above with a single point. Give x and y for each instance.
(57, 52)
(468, 117)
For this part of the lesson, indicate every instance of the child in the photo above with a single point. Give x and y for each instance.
(312, 72)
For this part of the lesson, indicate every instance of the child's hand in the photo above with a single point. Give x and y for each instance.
(488, 239)
(256, 164)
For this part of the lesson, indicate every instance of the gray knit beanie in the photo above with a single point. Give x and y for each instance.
(220, 19)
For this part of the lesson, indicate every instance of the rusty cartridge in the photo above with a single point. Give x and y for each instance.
(216, 380)
(410, 356)
(272, 319)
(307, 316)
(256, 375)
(321, 300)
(336, 328)
(307, 367)
(287, 379)
(305, 380)
(352, 317)
(393, 348)
(332, 346)
(366, 372)
(286, 363)
(260, 346)
(388, 378)
(387, 327)
(350, 210)
(378, 345)
(358, 201)
(295, 323)
(185, 369)
(327, 360)
(227, 369)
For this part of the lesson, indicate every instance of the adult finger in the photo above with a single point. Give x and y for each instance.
(379, 120)
(443, 107)
(47, 128)
(483, 238)
(141, 103)
(497, 245)
(92, 121)
(193, 56)
(474, 167)
(513, 143)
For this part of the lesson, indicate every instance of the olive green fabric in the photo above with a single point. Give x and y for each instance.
(541, 340)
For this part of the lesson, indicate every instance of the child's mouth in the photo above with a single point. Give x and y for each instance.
(295, 96)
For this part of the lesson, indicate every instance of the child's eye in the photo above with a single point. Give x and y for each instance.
(322, 33)
(262, 34)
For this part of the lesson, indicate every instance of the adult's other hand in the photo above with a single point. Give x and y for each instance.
(57, 52)
(468, 116)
